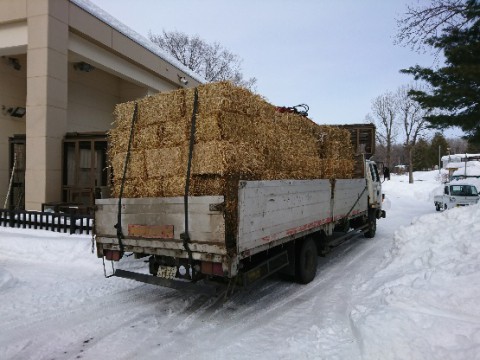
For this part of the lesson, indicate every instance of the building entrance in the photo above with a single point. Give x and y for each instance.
(16, 191)
(85, 171)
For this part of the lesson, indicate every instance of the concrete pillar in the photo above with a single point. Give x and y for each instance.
(47, 89)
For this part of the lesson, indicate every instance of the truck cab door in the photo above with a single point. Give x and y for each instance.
(374, 185)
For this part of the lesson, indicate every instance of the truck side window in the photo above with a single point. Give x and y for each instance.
(446, 190)
(374, 173)
(375, 170)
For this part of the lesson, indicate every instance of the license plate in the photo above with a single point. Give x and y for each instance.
(167, 272)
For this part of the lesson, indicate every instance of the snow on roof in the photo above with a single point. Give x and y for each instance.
(459, 157)
(455, 165)
(108, 19)
(472, 168)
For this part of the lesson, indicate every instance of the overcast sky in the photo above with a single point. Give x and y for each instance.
(334, 55)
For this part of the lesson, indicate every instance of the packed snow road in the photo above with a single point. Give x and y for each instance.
(56, 304)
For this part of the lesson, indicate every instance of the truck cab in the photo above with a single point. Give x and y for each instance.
(374, 185)
(456, 195)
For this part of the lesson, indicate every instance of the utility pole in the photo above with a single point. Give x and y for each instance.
(439, 158)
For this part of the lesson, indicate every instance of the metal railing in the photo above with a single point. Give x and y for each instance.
(53, 221)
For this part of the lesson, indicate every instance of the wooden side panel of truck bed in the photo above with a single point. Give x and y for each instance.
(269, 213)
(350, 198)
(272, 210)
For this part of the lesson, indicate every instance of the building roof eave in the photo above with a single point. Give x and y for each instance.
(111, 21)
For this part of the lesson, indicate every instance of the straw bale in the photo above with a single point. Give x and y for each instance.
(154, 187)
(165, 186)
(238, 135)
(123, 116)
(174, 185)
(173, 133)
(238, 127)
(210, 158)
(146, 137)
(162, 107)
(207, 185)
(118, 140)
(225, 97)
(223, 158)
(136, 168)
(132, 188)
(207, 128)
(162, 162)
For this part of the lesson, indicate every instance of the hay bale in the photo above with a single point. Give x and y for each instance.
(161, 162)
(238, 136)
(136, 168)
(132, 188)
(205, 185)
(226, 158)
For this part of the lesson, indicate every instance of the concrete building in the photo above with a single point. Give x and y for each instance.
(64, 65)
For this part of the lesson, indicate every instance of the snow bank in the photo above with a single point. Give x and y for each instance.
(471, 168)
(429, 283)
(426, 185)
(44, 246)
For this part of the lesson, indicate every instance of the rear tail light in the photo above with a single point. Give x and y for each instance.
(212, 268)
(112, 255)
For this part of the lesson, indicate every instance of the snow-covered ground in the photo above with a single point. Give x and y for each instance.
(412, 292)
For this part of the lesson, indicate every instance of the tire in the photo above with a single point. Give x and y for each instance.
(437, 207)
(306, 261)
(372, 226)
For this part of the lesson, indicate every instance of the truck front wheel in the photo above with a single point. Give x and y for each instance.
(306, 261)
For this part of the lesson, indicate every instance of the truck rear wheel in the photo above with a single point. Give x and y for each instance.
(437, 207)
(372, 225)
(306, 261)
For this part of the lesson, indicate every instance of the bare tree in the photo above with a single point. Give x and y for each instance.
(412, 119)
(212, 61)
(422, 22)
(458, 145)
(384, 115)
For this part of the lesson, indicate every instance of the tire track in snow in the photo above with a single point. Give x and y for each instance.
(66, 319)
(271, 300)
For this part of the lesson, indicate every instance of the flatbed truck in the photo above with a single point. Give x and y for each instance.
(279, 226)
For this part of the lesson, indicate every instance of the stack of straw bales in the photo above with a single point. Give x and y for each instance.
(238, 136)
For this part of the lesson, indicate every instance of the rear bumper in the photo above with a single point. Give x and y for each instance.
(203, 287)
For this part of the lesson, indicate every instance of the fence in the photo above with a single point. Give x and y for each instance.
(72, 223)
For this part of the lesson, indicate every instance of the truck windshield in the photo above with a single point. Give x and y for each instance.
(463, 190)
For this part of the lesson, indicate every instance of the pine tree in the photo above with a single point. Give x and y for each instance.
(455, 87)
(420, 155)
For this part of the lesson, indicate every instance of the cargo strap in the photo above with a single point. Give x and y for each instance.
(118, 225)
(356, 202)
(186, 236)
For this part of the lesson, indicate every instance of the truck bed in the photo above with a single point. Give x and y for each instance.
(269, 213)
